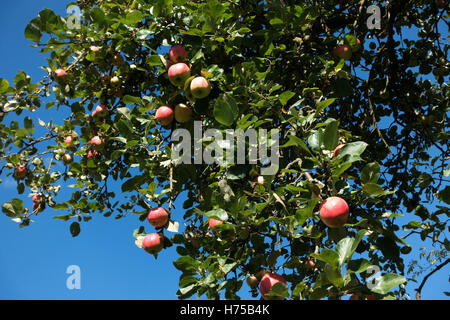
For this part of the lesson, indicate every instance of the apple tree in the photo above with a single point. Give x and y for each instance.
(360, 114)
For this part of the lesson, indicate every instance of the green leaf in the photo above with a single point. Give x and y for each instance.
(32, 30)
(226, 110)
(4, 85)
(133, 18)
(327, 255)
(218, 214)
(370, 172)
(334, 275)
(296, 141)
(388, 282)
(323, 104)
(278, 291)
(444, 195)
(285, 97)
(373, 189)
(8, 210)
(358, 266)
(331, 135)
(186, 263)
(75, 229)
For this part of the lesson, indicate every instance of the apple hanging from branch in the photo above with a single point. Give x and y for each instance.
(153, 243)
(200, 87)
(179, 73)
(268, 281)
(178, 54)
(183, 113)
(164, 115)
(334, 212)
(158, 217)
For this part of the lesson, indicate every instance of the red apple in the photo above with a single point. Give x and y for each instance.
(214, 222)
(20, 171)
(97, 142)
(158, 217)
(37, 198)
(178, 74)
(178, 54)
(343, 51)
(91, 153)
(100, 111)
(69, 141)
(38, 207)
(153, 243)
(200, 87)
(310, 263)
(268, 281)
(334, 212)
(336, 151)
(60, 75)
(67, 158)
(183, 113)
(164, 115)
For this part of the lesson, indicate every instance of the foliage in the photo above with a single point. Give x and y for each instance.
(271, 65)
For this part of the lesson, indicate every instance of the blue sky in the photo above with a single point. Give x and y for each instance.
(33, 260)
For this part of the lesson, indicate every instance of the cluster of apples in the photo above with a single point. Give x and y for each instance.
(179, 74)
(346, 50)
(154, 242)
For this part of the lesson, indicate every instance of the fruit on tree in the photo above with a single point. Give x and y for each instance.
(268, 281)
(37, 198)
(100, 111)
(97, 142)
(38, 206)
(214, 222)
(336, 150)
(91, 153)
(178, 54)
(158, 217)
(183, 113)
(179, 73)
(260, 180)
(252, 281)
(94, 48)
(153, 243)
(67, 158)
(343, 51)
(310, 263)
(164, 115)
(115, 80)
(355, 47)
(69, 141)
(200, 87)
(334, 212)
(60, 75)
(20, 172)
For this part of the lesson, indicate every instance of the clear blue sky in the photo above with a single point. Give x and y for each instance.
(33, 260)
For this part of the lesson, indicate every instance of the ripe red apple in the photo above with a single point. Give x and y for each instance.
(260, 180)
(158, 217)
(164, 115)
(200, 87)
(214, 222)
(441, 4)
(37, 198)
(97, 142)
(183, 113)
(268, 281)
(178, 54)
(336, 151)
(310, 263)
(153, 243)
(91, 153)
(178, 74)
(20, 171)
(334, 212)
(343, 51)
(60, 75)
(100, 111)
(252, 281)
(69, 141)
(67, 158)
